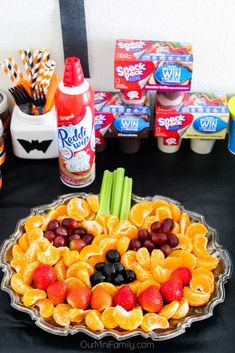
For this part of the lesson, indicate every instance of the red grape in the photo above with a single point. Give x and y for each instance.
(159, 238)
(143, 235)
(49, 235)
(52, 225)
(167, 225)
(135, 244)
(69, 223)
(74, 237)
(80, 231)
(61, 231)
(155, 227)
(149, 245)
(173, 241)
(166, 249)
(88, 238)
(77, 244)
(59, 241)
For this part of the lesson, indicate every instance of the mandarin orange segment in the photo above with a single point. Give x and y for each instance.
(175, 211)
(78, 209)
(32, 295)
(163, 212)
(17, 252)
(43, 243)
(74, 282)
(50, 256)
(90, 250)
(91, 216)
(111, 223)
(195, 298)
(24, 242)
(210, 263)
(61, 314)
(139, 212)
(176, 228)
(152, 321)
(93, 227)
(61, 211)
(196, 228)
(141, 273)
(160, 274)
(201, 283)
(102, 220)
(93, 202)
(46, 307)
(124, 228)
(169, 310)
(158, 203)
(84, 276)
(205, 272)
(96, 240)
(185, 243)
(184, 222)
(143, 258)
(93, 260)
(29, 271)
(70, 257)
(34, 222)
(108, 244)
(122, 245)
(51, 215)
(93, 320)
(200, 247)
(77, 315)
(188, 259)
(171, 263)
(128, 320)
(134, 285)
(60, 270)
(129, 258)
(175, 253)
(18, 284)
(35, 234)
(63, 250)
(157, 258)
(182, 311)
(32, 252)
(145, 284)
(149, 220)
(19, 264)
(108, 287)
(74, 268)
(108, 319)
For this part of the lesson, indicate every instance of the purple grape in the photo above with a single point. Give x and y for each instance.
(80, 231)
(143, 234)
(156, 227)
(88, 238)
(166, 249)
(53, 225)
(135, 244)
(49, 235)
(167, 225)
(159, 238)
(173, 241)
(74, 237)
(149, 245)
(59, 241)
(69, 223)
(62, 232)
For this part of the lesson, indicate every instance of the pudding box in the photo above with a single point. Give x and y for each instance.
(115, 119)
(152, 65)
(190, 115)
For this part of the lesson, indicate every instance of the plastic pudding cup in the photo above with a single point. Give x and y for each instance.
(166, 148)
(102, 147)
(202, 146)
(130, 144)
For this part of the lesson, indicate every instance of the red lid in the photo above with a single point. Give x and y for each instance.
(73, 73)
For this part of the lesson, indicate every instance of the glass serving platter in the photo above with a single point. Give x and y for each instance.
(177, 327)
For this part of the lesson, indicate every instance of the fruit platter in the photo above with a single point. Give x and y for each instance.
(115, 264)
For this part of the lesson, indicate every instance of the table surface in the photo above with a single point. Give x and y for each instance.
(202, 183)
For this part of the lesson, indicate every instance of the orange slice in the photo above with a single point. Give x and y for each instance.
(210, 263)
(163, 212)
(61, 211)
(139, 212)
(52, 214)
(19, 264)
(93, 260)
(90, 250)
(169, 310)
(49, 256)
(124, 228)
(129, 258)
(175, 211)
(195, 298)
(29, 271)
(196, 228)
(111, 223)
(188, 259)
(84, 276)
(60, 270)
(157, 258)
(158, 203)
(108, 244)
(17, 284)
(185, 243)
(175, 253)
(17, 252)
(183, 309)
(122, 245)
(102, 220)
(78, 209)
(46, 307)
(201, 283)
(160, 274)
(152, 321)
(61, 314)
(171, 263)
(184, 222)
(35, 234)
(70, 257)
(34, 222)
(93, 202)
(143, 285)
(149, 220)
(32, 252)
(93, 227)
(77, 315)
(134, 285)
(93, 320)
(141, 273)
(176, 228)
(32, 295)
(128, 320)
(205, 272)
(108, 319)
(24, 242)
(143, 258)
(73, 282)
(108, 287)
(200, 247)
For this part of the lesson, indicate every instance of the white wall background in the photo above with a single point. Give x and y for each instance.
(208, 24)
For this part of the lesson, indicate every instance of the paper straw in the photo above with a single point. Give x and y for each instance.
(4, 66)
(24, 61)
(45, 56)
(49, 73)
(37, 63)
(30, 62)
(15, 69)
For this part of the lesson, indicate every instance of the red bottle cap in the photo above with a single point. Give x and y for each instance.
(73, 73)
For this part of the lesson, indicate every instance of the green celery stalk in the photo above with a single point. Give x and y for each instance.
(117, 191)
(126, 198)
(113, 188)
(105, 193)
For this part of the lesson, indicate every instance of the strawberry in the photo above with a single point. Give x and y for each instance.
(182, 273)
(101, 299)
(151, 300)
(125, 297)
(57, 292)
(79, 297)
(172, 290)
(43, 276)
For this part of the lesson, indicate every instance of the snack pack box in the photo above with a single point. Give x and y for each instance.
(197, 116)
(152, 65)
(114, 119)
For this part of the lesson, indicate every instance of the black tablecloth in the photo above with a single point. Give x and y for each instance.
(202, 183)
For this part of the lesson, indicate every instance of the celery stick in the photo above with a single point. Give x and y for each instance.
(117, 191)
(126, 198)
(113, 188)
(105, 193)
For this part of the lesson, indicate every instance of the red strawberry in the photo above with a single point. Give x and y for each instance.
(79, 297)
(125, 297)
(43, 276)
(151, 300)
(57, 292)
(172, 290)
(184, 274)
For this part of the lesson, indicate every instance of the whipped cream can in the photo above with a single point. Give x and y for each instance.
(76, 132)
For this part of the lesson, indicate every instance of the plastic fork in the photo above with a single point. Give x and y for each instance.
(22, 98)
(39, 98)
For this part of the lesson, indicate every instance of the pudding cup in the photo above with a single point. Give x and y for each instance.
(168, 148)
(202, 146)
(130, 144)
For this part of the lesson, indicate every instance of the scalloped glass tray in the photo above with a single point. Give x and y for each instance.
(177, 327)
